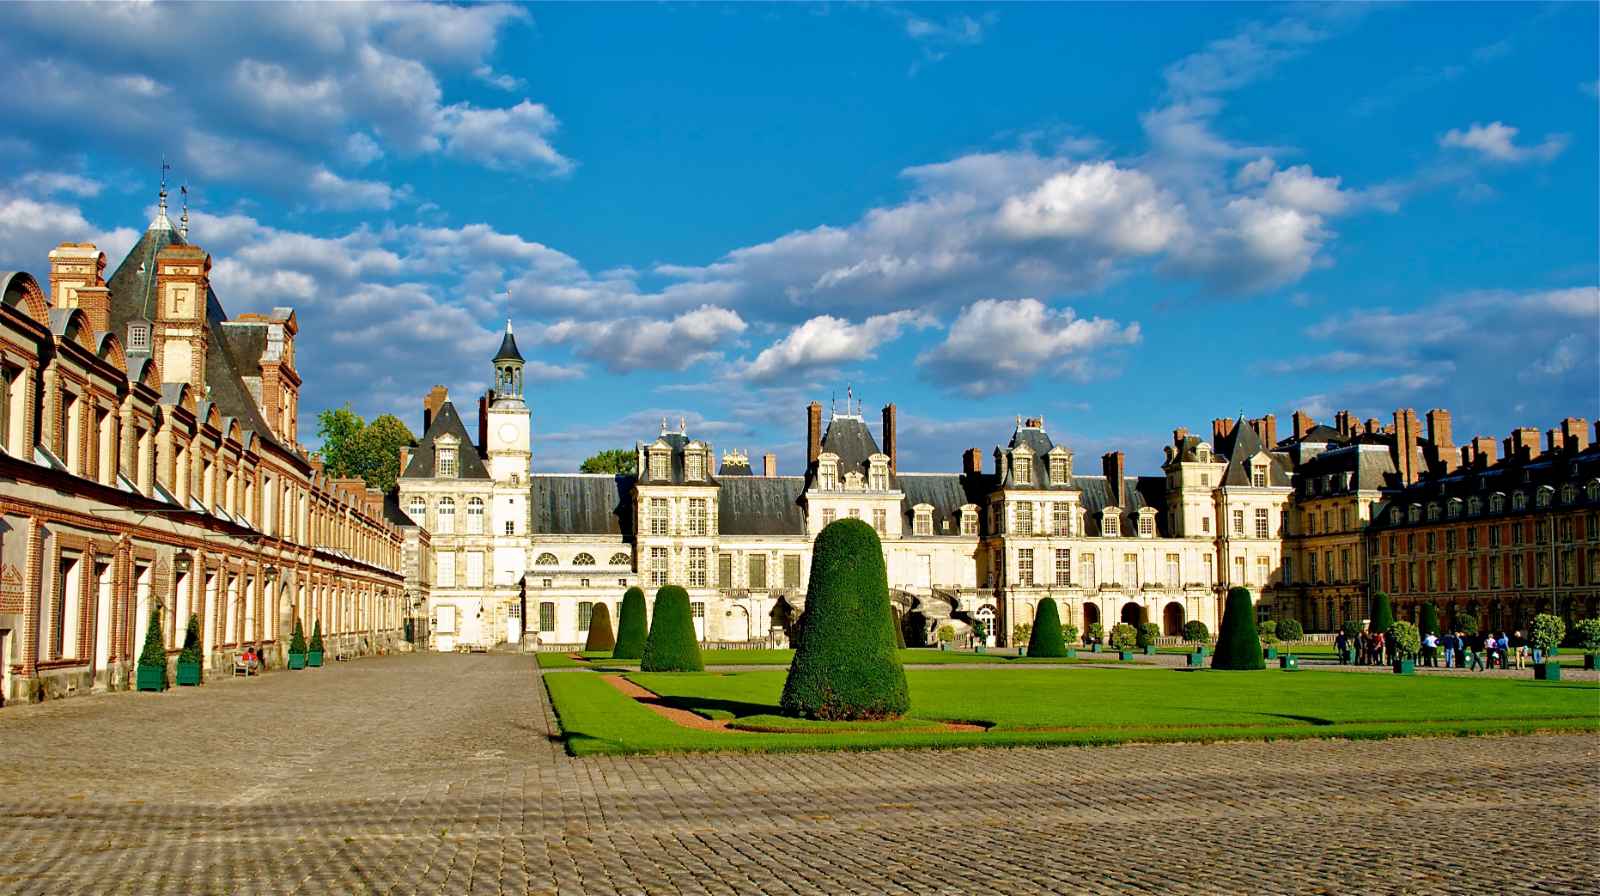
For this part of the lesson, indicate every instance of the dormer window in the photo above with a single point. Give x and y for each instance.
(1519, 501)
(694, 465)
(139, 336)
(1147, 525)
(878, 477)
(1543, 497)
(922, 520)
(1474, 505)
(1110, 527)
(1023, 469)
(1414, 512)
(445, 464)
(828, 473)
(1497, 503)
(660, 464)
(1203, 454)
(969, 520)
(1060, 469)
(1258, 476)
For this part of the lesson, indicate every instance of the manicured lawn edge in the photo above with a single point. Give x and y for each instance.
(597, 720)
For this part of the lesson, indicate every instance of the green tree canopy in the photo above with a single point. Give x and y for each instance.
(1382, 613)
(1238, 642)
(612, 460)
(1046, 638)
(600, 637)
(671, 645)
(632, 629)
(354, 448)
(1430, 619)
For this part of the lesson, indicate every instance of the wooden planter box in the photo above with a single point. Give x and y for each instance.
(1072, 653)
(297, 661)
(1270, 653)
(150, 678)
(1405, 667)
(1550, 671)
(314, 659)
(1125, 655)
(1197, 660)
(188, 674)
(1150, 650)
(1289, 663)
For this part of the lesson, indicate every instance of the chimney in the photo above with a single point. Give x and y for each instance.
(1302, 424)
(813, 432)
(431, 403)
(73, 268)
(1221, 428)
(316, 465)
(1405, 445)
(1341, 422)
(1115, 485)
(1483, 454)
(769, 465)
(1373, 426)
(1269, 432)
(971, 461)
(1552, 441)
(1574, 434)
(483, 422)
(1525, 443)
(891, 442)
(1179, 434)
(181, 339)
(1442, 449)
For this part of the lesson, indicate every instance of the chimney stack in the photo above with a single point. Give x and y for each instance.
(1574, 434)
(1269, 432)
(1302, 424)
(1221, 428)
(769, 465)
(971, 461)
(891, 442)
(1179, 434)
(813, 432)
(1341, 422)
(1552, 440)
(1524, 444)
(1483, 453)
(483, 422)
(431, 403)
(77, 280)
(1373, 426)
(1405, 445)
(1442, 448)
(405, 458)
(1115, 484)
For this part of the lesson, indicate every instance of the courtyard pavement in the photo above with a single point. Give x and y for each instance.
(444, 774)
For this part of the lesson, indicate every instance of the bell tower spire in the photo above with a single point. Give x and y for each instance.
(508, 430)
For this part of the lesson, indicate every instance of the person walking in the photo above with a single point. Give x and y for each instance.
(1520, 645)
(1449, 643)
(1430, 650)
(1340, 643)
(1470, 653)
(1502, 646)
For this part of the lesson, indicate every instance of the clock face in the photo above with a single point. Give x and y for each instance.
(508, 433)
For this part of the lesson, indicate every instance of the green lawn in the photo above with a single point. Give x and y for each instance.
(1087, 706)
(602, 661)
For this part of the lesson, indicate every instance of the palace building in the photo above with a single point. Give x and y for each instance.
(150, 461)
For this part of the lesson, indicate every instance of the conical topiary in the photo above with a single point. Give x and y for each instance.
(1430, 619)
(631, 627)
(1045, 639)
(671, 646)
(191, 642)
(842, 668)
(316, 636)
(600, 637)
(297, 638)
(154, 653)
(1382, 613)
(1238, 642)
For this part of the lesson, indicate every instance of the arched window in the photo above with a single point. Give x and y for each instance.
(1497, 503)
(1593, 490)
(1433, 512)
(545, 560)
(447, 516)
(1474, 505)
(1519, 501)
(583, 560)
(1454, 509)
(418, 510)
(474, 516)
(1569, 493)
(620, 559)
(1414, 513)
(1543, 496)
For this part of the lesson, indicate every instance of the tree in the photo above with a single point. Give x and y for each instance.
(845, 666)
(1148, 633)
(1404, 640)
(600, 637)
(1046, 638)
(1430, 619)
(1069, 633)
(154, 653)
(316, 636)
(620, 461)
(631, 628)
(297, 638)
(1382, 613)
(671, 646)
(352, 448)
(1124, 636)
(191, 642)
(1546, 633)
(1238, 642)
(1588, 632)
(1351, 628)
(1466, 621)
(1290, 630)
(1268, 631)
(1196, 632)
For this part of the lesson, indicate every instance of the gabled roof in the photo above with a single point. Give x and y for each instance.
(761, 505)
(848, 437)
(676, 443)
(133, 297)
(468, 464)
(581, 504)
(1039, 445)
(1243, 444)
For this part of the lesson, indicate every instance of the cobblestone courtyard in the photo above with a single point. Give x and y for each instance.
(442, 774)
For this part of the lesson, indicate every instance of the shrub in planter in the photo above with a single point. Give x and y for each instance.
(1290, 631)
(1096, 633)
(1269, 638)
(1146, 638)
(632, 630)
(1382, 613)
(151, 672)
(189, 658)
(1588, 632)
(1430, 619)
(1405, 642)
(600, 637)
(1196, 633)
(1069, 634)
(297, 647)
(1546, 634)
(1238, 642)
(1022, 633)
(844, 669)
(314, 654)
(1351, 628)
(1466, 621)
(1123, 638)
(947, 636)
(671, 645)
(1047, 637)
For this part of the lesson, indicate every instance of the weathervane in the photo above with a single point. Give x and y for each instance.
(164, 169)
(183, 223)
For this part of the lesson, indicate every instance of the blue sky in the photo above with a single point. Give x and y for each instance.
(1122, 218)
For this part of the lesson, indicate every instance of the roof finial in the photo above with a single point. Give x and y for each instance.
(163, 195)
(183, 223)
(508, 326)
(663, 425)
(683, 425)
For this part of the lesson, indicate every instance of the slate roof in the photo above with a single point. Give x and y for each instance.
(508, 348)
(393, 512)
(1242, 445)
(945, 493)
(133, 297)
(1367, 468)
(1137, 492)
(468, 464)
(1507, 477)
(1037, 441)
(761, 505)
(849, 438)
(248, 342)
(581, 504)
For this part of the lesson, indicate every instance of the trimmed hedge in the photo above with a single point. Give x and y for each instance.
(1196, 631)
(1148, 633)
(1124, 636)
(1046, 638)
(631, 627)
(1382, 613)
(154, 654)
(600, 637)
(297, 638)
(671, 646)
(1430, 619)
(1238, 642)
(845, 666)
(316, 636)
(191, 642)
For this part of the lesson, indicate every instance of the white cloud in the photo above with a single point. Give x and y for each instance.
(998, 345)
(826, 341)
(30, 228)
(626, 344)
(503, 138)
(1100, 203)
(47, 183)
(1497, 142)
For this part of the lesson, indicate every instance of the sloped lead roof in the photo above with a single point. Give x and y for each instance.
(581, 504)
(508, 348)
(468, 464)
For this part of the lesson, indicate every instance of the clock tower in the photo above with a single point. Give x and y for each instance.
(510, 456)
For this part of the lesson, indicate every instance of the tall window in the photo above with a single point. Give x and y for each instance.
(791, 570)
(1174, 570)
(1130, 570)
(659, 517)
(445, 568)
(1024, 512)
(1086, 571)
(724, 570)
(828, 475)
(828, 516)
(1024, 467)
(1238, 522)
(658, 566)
(547, 617)
(418, 510)
(1344, 565)
(1025, 567)
(474, 569)
(474, 516)
(757, 571)
(1063, 566)
(697, 567)
(585, 615)
(1262, 522)
(697, 516)
(1258, 478)
(880, 519)
(1062, 519)
(694, 463)
(660, 464)
(1238, 571)
(878, 480)
(447, 516)
(1263, 570)
(445, 468)
(1058, 470)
